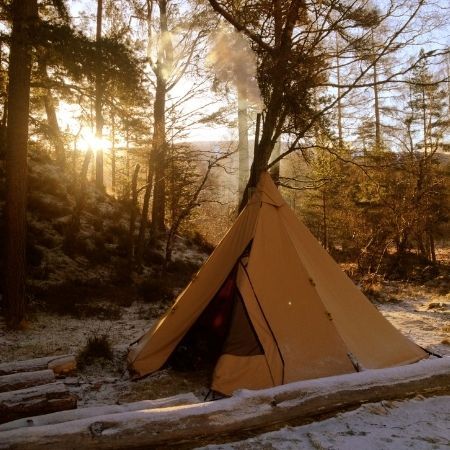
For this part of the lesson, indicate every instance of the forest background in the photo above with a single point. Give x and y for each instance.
(132, 132)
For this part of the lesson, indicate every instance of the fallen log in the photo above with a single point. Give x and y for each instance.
(246, 410)
(63, 365)
(42, 399)
(25, 380)
(60, 365)
(83, 413)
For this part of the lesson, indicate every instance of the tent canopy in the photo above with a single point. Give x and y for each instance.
(273, 307)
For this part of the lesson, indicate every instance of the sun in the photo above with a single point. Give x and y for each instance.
(87, 140)
(70, 120)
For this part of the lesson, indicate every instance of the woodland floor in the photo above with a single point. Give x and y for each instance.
(420, 311)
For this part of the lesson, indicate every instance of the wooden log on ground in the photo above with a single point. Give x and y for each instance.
(42, 399)
(83, 413)
(246, 410)
(61, 364)
(25, 380)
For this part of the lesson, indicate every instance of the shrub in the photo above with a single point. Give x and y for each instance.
(157, 289)
(182, 271)
(96, 347)
(200, 241)
(152, 257)
(70, 296)
(47, 207)
(35, 254)
(102, 311)
(121, 272)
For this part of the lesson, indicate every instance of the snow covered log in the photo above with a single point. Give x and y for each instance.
(83, 413)
(41, 399)
(59, 364)
(246, 410)
(25, 380)
(63, 365)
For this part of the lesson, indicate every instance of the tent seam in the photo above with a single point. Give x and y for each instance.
(265, 318)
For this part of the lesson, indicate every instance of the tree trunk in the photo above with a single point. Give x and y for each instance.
(339, 104)
(133, 212)
(99, 181)
(274, 119)
(113, 152)
(243, 152)
(16, 381)
(42, 399)
(52, 119)
(159, 149)
(275, 170)
(378, 137)
(24, 14)
(74, 225)
(247, 410)
(431, 245)
(84, 413)
(144, 218)
(61, 364)
(159, 159)
(324, 220)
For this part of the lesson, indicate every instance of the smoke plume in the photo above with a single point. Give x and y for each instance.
(233, 61)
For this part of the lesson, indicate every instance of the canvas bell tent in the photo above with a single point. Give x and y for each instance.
(270, 306)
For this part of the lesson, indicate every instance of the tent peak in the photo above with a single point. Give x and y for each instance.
(267, 192)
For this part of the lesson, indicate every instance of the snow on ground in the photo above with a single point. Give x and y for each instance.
(419, 424)
(421, 313)
(406, 306)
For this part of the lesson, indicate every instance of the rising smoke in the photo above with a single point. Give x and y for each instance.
(233, 61)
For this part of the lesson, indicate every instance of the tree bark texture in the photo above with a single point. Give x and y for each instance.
(162, 71)
(133, 212)
(42, 399)
(378, 137)
(25, 15)
(247, 410)
(139, 244)
(274, 116)
(52, 119)
(243, 142)
(99, 181)
(60, 365)
(24, 380)
(73, 227)
(159, 158)
(95, 411)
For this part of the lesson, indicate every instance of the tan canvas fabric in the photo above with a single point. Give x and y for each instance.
(371, 338)
(306, 313)
(155, 346)
(308, 340)
(241, 372)
(262, 329)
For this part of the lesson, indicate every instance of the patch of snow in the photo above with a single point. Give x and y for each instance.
(419, 424)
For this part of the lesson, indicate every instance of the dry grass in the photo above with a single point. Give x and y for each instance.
(167, 383)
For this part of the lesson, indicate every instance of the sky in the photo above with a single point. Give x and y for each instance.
(439, 37)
